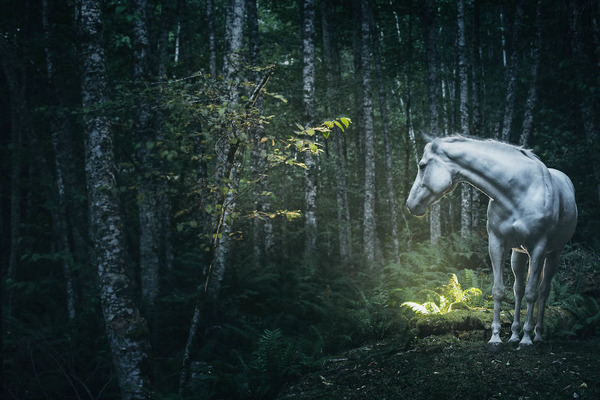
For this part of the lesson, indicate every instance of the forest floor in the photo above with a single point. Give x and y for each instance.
(451, 366)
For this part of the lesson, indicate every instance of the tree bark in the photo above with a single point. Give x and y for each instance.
(435, 221)
(16, 82)
(124, 325)
(212, 42)
(531, 101)
(369, 237)
(148, 191)
(466, 190)
(389, 165)
(308, 96)
(62, 154)
(263, 239)
(587, 108)
(332, 68)
(511, 75)
(476, 74)
(226, 172)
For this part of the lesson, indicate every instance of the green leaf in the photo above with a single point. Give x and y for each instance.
(345, 121)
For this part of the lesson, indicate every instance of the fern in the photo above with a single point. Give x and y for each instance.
(447, 298)
(416, 307)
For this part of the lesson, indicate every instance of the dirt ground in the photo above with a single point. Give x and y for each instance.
(451, 367)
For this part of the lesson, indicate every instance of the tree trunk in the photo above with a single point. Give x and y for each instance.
(148, 194)
(531, 101)
(466, 190)
(476, 75)
(389, 165)
(123, 322)
(15, 80)
(226, 174)
(369, 237)
(511, 75)
(212, 42)
(263, 243)
(332, 67)
(140, 25)
(587, 105)
(435, 221)
(62, 153)
(308, 84)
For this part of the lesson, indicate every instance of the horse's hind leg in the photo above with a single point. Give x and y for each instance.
(550, 268)
(518, 262)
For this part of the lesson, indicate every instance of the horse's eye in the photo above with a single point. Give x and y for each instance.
(422, 165)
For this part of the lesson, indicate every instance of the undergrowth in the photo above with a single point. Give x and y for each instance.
(279, 323)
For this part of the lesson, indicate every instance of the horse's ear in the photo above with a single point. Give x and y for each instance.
(428, 138)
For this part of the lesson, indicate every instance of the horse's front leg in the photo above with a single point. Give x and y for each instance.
(531, 293)
(497, 250)
(518, 262)
(550, 268)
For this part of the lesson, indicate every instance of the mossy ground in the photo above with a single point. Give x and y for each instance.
(455, 366)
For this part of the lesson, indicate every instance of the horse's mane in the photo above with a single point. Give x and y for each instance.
(499, 145)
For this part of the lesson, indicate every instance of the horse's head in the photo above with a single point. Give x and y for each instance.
(433, 181)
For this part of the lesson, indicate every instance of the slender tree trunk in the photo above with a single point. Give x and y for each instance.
(212, 42)
(62, 148)
(356, 60)
(511, 75)
(587, 108)
(466, 190)
(15, 79)
(120, 312)
(476, 75)
(166, 20)
(531, 101)
(332, 67)
(389, 166)
(226, 175)
(369, 231)
(308, 100)
(149, 196)
(262, 228)
(435, 220)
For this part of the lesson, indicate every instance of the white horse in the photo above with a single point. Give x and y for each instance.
(531, 210)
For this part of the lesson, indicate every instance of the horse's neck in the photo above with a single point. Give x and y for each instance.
(495, 171)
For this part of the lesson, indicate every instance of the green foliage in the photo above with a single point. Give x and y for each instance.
(449, 297)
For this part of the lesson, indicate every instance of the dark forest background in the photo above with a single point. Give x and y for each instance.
(201, 199)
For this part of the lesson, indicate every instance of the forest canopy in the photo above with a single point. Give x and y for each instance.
(201, 199)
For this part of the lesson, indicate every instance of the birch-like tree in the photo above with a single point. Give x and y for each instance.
(466, 190)
(387, 143)
(369, 236)
(429, 27)
(308, 101)
(227, 174)
(121, 314)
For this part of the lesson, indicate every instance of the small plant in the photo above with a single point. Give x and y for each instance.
(447, 298)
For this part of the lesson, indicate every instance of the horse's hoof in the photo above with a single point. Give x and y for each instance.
(494, 347)
(525, 345)
(514, 340)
